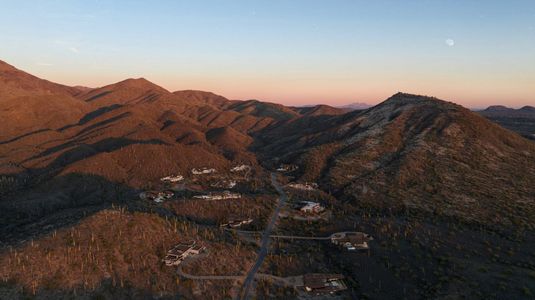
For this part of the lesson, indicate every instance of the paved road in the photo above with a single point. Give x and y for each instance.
(264, 244)
(207, 277)
(296, 237)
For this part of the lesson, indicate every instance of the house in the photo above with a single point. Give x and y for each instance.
(303, 186)
(227, 184)
(237, 223)
(309, 207)
(172, 178)
(240, 168)
(156, 196)
(352, 241)
(218, 196)
(286, 168)
(203, 171)
(167, 194)
(148, 195)
(317, 283)
(181, 251)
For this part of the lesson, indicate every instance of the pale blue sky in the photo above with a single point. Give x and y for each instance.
(295, 52)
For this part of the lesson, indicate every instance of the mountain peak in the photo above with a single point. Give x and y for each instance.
(527, 108)
(131, 90)
(140, 82)
(410, 97)
(497, 108)
(402, 99)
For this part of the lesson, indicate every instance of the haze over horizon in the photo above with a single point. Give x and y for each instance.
(294, 53)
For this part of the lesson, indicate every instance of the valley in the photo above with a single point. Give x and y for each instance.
(98, 186)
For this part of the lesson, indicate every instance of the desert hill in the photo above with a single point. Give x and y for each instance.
(415, 152)
(124, 92)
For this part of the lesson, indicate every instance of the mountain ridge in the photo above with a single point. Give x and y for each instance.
(340, 150)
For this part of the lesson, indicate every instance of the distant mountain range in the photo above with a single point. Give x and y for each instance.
(356, 106)
(520, 120)
(502, 110)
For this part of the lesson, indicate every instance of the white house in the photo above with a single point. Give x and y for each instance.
(203, 171)
(172, 178)
(240, 168)
(311, 207)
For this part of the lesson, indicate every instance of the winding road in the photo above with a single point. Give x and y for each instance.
(264, 247)
(264, 244)
(297, 237)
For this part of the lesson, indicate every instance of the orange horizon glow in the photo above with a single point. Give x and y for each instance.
(289, 52)
(296, 92)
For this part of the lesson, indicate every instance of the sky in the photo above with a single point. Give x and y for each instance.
(295, 52)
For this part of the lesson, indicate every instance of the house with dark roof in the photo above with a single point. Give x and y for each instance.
(318, 283)
(181, 251)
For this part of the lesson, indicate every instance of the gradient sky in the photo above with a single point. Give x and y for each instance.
(475, 53)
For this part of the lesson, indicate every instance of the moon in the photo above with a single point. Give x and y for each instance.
(450, 42)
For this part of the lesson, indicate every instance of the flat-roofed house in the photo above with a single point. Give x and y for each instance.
(203, 171)
(317, 283)
(181, 251)
(352, 241)
(311, 207)
(172, 178)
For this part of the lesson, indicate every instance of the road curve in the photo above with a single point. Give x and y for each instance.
(264, 244)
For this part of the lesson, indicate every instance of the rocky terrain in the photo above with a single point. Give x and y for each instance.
(424, 176)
